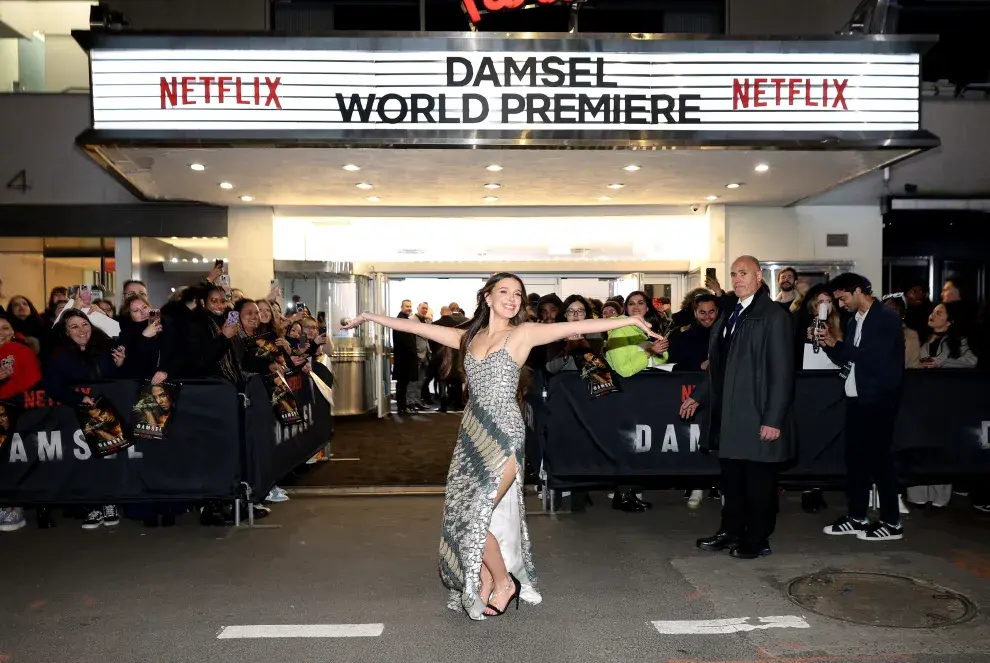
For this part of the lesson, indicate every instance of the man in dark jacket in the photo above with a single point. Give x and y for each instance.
(747, 396)
(405, 361)
(871, 355)
(689, 345)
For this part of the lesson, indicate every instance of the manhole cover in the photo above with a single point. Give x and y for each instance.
(877, 599)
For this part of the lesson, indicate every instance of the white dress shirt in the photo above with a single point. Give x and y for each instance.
(851, 378)
(745, 305)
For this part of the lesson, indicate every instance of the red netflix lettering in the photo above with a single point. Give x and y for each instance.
(686, 391)
(474, 14)
(210, 90)
(807, 92)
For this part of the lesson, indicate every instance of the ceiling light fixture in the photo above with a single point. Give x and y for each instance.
(226, 185)
(365, 185)
(373, 199)
(631, 168)
(493, 185)
(615, 186)
(604, 198)
(195, 259)
(198, 167)
(711, 198)
(733, 185)
(494, 168)
(247, 199)
(175, 260)
(761, 168)
(352, 168)
(491, 199)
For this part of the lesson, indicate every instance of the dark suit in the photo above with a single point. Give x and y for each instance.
(405, 363)
(870, 415)
(750, 384)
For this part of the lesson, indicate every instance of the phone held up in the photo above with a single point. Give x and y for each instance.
(710, 274)
(154, 316)
(233, 318)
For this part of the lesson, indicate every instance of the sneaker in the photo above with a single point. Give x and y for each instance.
(12, 519)
(881, 532)
(277, 495)
(985, 508)
(110, 515)
(93, 520)
(846, 525)
(695, 500)
(902, 508)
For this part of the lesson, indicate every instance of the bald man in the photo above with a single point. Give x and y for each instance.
(746, 397)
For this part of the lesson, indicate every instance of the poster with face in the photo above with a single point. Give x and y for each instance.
(595, 373)
(8, 420)
(103, 427)
(153, 410)
(283, 400)
(264, 347)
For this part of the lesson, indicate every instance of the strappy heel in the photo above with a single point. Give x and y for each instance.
(517, 587)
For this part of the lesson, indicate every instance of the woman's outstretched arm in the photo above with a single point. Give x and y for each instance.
(541, 334)
(447, 336)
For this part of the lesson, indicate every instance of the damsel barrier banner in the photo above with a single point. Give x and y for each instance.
(47, 459)
(273, 449)
(941, 429)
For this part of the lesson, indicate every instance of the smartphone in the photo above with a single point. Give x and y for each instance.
(302, 343)
(218, 263)
(273, 283)
(154, 316)
(96, 293)
(710, 274)
(223, 281)
(233, 318)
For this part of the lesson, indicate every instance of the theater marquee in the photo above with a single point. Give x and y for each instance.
(273, 91)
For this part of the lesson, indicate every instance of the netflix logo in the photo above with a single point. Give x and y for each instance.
(806, 92)
(246, 91)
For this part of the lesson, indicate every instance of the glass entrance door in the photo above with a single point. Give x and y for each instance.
(381, 342)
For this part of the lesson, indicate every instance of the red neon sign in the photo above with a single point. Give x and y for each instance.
(474, 14)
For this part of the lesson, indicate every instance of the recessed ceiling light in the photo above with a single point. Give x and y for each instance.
(761, 168)
(493, 185)
(197, 167)
(491, 199)
(494, 168)
(175, 260)
(615, 186)
(604, 198)
(226, 185)
(711, 198)
(364, 185)
(352, 168)
(631, 168)
(247, 199)
(195, 259)
(373, 199)
(733, 185)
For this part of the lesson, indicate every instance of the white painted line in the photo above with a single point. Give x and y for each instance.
(337, 460)
(733, 625)
(301, 631)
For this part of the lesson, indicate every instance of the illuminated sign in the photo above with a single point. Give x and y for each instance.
(272, 91)
(473, 11)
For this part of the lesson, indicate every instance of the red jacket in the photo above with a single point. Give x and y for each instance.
(27, 370)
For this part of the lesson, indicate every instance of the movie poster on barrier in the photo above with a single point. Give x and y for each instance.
(9, 414)
(283, 401)
(596, 373)
(264, 346)
(154, 410)
(103, 427)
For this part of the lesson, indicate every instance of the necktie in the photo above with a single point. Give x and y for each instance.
(734, 318)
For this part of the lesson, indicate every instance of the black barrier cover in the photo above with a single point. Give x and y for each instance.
(637, 434)
(47, 460)
(272, 450)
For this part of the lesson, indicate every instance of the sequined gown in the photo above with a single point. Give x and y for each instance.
(492, 431)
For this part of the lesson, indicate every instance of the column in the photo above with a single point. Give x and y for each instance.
(251, 249)
(717, 257)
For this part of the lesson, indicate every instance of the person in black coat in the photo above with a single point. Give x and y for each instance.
(872, 360)
(211, 348)
(747, 396)
(151, 344)
(405, 360)
(689, 345)
(81, 353)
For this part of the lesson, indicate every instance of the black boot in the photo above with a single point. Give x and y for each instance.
(626, 501)
(720, 541)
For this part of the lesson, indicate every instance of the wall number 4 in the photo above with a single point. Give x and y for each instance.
(19, 182)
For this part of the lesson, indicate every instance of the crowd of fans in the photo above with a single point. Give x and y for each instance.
(81, 337)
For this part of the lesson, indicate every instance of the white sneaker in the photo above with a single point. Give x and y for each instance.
(110, 515)
(902, 508)
(695, 500)
(277, 495)
(881, 532)
(93, 520)
(12, 519)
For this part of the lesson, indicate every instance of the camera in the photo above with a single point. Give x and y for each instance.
(695, 208)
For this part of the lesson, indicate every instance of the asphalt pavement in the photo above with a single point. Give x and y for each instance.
(355, 579)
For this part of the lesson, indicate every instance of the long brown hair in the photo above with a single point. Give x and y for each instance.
(479, 322)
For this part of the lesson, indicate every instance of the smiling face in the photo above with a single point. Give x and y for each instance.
(250, 317)
(706, 314)
(636, 306)
(6, 331)
(505, 298)
(746, 277)
(265, 312)
(785, 280)
(79, 330)
(216, 303)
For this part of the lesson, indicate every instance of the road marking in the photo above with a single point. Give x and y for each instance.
(301, 631)
(733, 625)
(864, 658)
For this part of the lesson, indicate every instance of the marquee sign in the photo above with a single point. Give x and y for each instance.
(269, 92)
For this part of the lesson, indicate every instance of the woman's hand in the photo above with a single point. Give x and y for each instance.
(811, 333)
(88, 401)
(6, 371)
(645, 327)
(152, 329)
(159, 377)
(929, 362)
(356, 322)
(284, 344)
(307, 370)
(215, 273)
(230, 331)
(119, 354)
(661, 346)
(299, 361)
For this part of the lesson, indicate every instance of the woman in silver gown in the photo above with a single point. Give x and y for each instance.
(485, 558)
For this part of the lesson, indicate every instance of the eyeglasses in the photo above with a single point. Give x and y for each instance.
(575, 312)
